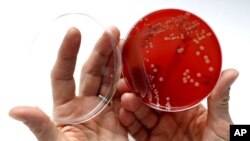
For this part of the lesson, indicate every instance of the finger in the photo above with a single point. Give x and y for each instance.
(37, 121)
(94, 68)
(111, 75)
(122, 87)
(218, 107)
(126, 117)
(134, 127)
(63, 84)
(141, 112)
(111, 80)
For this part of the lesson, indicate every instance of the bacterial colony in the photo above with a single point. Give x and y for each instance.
(180, 56)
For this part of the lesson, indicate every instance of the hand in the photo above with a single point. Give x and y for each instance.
(196, 124)
(106, 125)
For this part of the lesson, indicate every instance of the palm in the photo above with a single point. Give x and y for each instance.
(96, 77)
(196, 124)
(103, 127)
(187, 126)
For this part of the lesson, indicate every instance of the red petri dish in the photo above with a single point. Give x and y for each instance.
(171, 60)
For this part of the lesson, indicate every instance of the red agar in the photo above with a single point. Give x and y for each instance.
(171, 59)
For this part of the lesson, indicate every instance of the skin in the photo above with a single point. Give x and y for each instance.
(126, 113)
(196, 124)
(106, 125)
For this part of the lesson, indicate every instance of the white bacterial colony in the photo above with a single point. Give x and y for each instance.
(190, 29)
(151, 78)
(188, 78)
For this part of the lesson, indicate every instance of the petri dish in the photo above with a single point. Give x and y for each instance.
(42, 57)
(171, 59)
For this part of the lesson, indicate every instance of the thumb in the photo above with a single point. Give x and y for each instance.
(38, 122)
(218, 107)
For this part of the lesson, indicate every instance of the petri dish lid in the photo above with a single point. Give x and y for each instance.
(171, 59)
(42, 57)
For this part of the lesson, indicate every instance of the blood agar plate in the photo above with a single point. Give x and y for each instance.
(171, 60)
(43, 54)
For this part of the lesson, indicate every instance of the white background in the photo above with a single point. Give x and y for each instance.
(21, 20)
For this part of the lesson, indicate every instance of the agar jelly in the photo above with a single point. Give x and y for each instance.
(171, 59)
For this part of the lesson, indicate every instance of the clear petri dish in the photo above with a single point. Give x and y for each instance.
(42, 57)
(171, 59)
